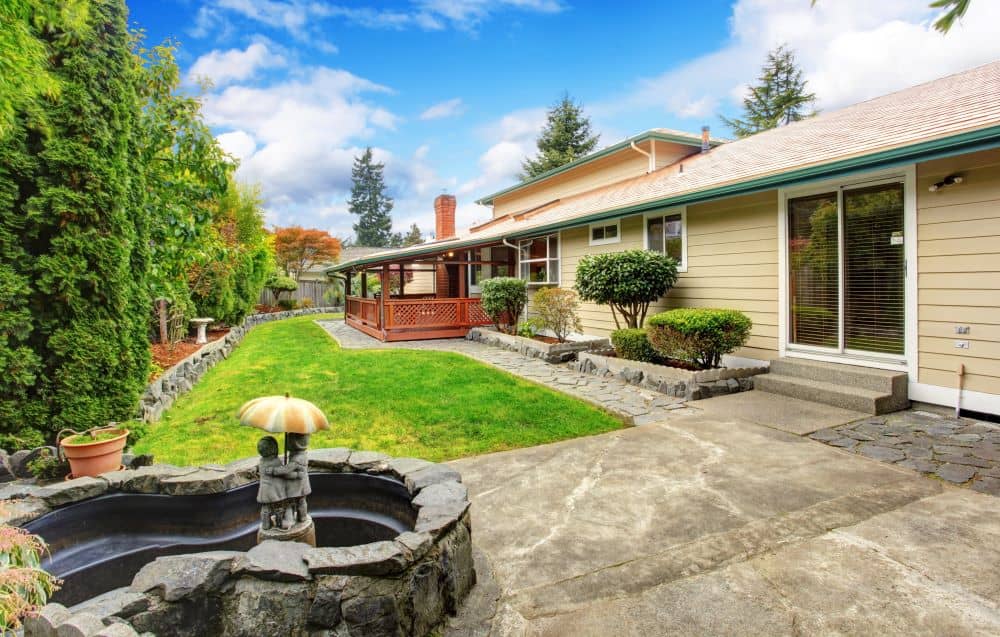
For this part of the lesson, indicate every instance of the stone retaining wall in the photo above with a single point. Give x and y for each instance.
(673, 381)
(179, 379)
(398, 587)
(548, 352)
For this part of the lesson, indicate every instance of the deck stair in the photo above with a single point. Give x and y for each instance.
(864, 389)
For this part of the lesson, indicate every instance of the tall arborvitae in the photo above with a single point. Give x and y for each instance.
(566, 137)
(370, 202)
(778, 99)
(74, 237)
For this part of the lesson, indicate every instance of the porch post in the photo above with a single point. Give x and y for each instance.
(462, 292)
(385, 292)
(347, 284)
(402, 281)
(364, 283)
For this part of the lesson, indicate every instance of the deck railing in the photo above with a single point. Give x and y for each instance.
(417, 318)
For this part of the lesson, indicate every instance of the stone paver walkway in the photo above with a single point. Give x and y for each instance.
(631, 404)
(958, 450)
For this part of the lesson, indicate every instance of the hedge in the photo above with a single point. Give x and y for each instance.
(503, 299)
(633, 344)
(700, 336)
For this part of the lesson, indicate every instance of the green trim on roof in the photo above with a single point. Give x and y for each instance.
(692, 140)
(972, 141)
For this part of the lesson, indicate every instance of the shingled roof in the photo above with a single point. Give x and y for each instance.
(954, 114)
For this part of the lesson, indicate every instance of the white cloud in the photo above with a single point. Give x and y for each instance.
(239, 144)
(449, 108)
(850, 50)
(294, 16)
(224, 67)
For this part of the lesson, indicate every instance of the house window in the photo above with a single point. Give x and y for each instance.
(479, 272)
(603, 233)
(666, 233)
(539, 260)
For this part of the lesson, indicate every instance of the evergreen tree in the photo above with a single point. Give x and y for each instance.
(371, 204)
(413, 237)
(566, 137)
(74, 237)
(778, 99)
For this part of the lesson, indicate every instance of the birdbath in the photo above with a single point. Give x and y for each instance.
(284, 484)
(201, 324)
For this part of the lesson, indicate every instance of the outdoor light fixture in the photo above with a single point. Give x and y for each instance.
(947, 181)
(451, 254)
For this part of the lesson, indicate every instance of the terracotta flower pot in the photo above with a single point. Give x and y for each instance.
(95, 458)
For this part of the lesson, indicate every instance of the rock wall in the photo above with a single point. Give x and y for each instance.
(179, 379)
(682, 383)
(548, 352)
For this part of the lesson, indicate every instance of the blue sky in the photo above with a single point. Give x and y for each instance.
(451, 93)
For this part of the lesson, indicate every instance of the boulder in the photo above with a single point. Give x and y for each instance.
(332, 459)
(433, 474)
(367, 460)
(442, 493)
(257, 607)
(79, 625)
(45, 621)
(325, 609)
(59, 493)
(20, 512)
(145, 479)
(177, 577)
(117, 629)
(200, 482)
(120, 602)
(375, 558)
(275, 561)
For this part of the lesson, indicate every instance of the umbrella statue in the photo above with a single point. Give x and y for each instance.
(284, 485)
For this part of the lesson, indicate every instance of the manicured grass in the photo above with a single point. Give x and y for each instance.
(433, 405)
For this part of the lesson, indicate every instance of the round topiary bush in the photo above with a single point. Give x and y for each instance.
(627, 281)
(503, 299)
(633, 344)
(700, 336)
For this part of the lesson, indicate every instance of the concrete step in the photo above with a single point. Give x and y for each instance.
(879, 380)
(818, 391)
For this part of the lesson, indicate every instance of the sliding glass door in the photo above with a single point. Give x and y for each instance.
(847, 270)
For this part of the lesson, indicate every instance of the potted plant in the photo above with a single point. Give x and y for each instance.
(94, 451)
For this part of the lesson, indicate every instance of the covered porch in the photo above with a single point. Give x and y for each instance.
(433, 294)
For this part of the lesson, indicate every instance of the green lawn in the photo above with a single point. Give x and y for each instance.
(433, 405)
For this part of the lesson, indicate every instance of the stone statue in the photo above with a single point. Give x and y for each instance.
(283, 490)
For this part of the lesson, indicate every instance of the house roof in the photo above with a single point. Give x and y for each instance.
(656, 134)
(955, 114)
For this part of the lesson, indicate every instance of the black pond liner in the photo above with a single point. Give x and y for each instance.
(98, 545)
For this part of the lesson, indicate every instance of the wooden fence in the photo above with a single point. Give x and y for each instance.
(307, 290)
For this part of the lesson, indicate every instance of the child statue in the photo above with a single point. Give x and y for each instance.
(296, 475)
(271, 493)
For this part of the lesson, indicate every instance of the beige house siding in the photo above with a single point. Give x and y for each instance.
(732, 263)
(958, 270)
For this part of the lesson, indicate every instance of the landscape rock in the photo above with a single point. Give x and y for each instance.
(366, 460)
(117, 629)
(374, 558)
(59, 493)
(80, 625)
(45, 621)
(120, 602)
(200, 482)
(325, 608)
(177, 577)
(20, 512)
(440, 518)
(257, 608)
(372, 616)
(144, 479)
(955, 473)
(433, 474)
(275, 561)
(330, 459)
(441, 493)
(401, 467)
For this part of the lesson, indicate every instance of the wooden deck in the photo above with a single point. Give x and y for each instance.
(414, 319)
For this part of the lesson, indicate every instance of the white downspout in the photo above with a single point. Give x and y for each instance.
(649, 156)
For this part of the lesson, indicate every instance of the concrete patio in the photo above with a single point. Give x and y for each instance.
(709, 524)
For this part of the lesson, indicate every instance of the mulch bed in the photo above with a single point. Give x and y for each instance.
(545, 339)
(666, 362)
(166, 355)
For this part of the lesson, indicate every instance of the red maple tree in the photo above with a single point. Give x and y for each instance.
(296, 249)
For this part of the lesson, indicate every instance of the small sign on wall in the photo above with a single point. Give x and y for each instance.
(896, 239)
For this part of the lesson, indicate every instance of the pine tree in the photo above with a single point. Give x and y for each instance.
(413, 237)
(566, 136)
(780, 98)
(371, 204)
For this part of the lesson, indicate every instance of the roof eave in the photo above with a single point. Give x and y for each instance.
(604, 152)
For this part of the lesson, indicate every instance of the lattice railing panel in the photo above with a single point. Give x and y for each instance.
(417, 314)
(476, 314)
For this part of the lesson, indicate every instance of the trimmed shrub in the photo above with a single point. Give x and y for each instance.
(556, 310)
(627, 281)
(288, 304)
(278, 283)
(503, 300)
(633, 344)
(700, 336)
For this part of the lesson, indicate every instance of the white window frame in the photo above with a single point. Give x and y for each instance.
(548, 257)
(666, 212)
(617, 223)
(909, 361)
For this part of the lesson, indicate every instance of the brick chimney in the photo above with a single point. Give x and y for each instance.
(444, 217)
